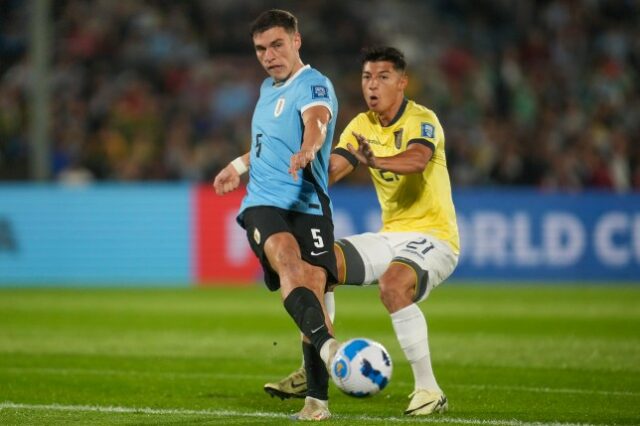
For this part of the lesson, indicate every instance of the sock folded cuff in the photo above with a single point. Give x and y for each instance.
(407, 313)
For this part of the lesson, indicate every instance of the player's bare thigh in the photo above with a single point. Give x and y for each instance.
(283, 254)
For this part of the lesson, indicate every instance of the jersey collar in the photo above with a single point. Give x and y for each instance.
(290, 79)
(398, 114)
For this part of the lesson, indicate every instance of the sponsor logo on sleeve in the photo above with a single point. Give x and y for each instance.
(427, 130)
(318, 92)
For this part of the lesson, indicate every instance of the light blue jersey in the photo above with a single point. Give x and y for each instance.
(277, 132)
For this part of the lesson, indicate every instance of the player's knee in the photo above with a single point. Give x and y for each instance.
(397, 288)
(315, 278)
(393, 295)
(289, 265)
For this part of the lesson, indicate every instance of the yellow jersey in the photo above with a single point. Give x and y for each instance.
(419, 202)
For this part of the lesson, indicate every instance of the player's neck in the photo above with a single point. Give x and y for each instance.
(391, 115)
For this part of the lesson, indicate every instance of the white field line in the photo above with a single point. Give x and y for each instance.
(99, 372)
(547, 390)
(7, 405)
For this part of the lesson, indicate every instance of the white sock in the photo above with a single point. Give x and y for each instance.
(410, 326)
(330, 304)
(324, 350)
(323, 402)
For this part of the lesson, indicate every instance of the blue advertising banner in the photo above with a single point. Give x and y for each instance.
(145, 234)
(53, 235)
(526, 234)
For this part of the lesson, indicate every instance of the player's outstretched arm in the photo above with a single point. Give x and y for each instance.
(315, 120)
(413, 160)
(229, 178)
(339, 167)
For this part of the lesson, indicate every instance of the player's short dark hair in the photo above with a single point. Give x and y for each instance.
(384, 53)
(274, 18)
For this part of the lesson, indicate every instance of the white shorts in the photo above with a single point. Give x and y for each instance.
(376, 251)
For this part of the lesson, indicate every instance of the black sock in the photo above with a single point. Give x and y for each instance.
(306, 311)
(317, 375)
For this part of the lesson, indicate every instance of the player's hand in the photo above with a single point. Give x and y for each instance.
(364, 154)
(227, 180)
(299, 160)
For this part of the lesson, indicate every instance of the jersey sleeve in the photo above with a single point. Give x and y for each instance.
(425, 130)
(313, 92)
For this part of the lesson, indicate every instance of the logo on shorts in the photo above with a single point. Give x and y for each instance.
(279, 107)
(256, 235)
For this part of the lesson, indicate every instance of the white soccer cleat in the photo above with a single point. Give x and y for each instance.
(292, 386)
(313, 410)
(424, 402)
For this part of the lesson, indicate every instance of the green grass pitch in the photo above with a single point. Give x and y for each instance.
(519, 355)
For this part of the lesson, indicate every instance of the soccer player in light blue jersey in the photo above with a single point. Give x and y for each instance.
(287, 212)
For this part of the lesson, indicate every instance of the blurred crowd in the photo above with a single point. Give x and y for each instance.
(538, 93)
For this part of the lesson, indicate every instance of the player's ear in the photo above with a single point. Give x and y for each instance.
(297, 41)
(404, 81)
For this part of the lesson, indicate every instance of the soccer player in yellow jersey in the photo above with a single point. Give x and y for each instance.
(402, 144)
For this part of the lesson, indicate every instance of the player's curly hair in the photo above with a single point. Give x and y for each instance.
(384, 53)
(274, 18)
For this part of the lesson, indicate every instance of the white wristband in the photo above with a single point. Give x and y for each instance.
(239, 165)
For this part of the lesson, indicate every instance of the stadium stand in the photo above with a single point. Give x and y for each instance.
(537, 93)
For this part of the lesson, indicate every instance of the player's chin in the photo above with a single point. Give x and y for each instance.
(373, 104)
(277, 73)
(375, 107)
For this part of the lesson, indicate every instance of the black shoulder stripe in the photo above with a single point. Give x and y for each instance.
(348, 155)
(423, 142)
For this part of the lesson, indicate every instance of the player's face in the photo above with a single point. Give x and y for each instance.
(278, 52)
(382, 86)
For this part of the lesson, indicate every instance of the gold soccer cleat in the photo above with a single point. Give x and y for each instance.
(292, 386)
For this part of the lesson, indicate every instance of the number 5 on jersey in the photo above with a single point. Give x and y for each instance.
(258, 144)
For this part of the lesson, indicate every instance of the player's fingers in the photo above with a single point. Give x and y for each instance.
(293, 169)
(358, 137)
(217, 185)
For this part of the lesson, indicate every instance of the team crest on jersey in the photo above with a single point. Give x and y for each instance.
(256, 235)
(279, 107)
(398, 138)
(319, 92)
(427, 130)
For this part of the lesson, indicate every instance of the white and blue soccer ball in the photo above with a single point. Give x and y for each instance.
(361, 367)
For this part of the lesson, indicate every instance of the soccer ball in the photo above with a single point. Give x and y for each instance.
(361, 367)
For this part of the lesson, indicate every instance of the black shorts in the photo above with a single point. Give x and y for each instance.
(314, 235)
